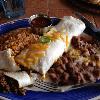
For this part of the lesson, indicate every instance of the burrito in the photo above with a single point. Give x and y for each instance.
(7, 61)
(41, 55)
(20, 79)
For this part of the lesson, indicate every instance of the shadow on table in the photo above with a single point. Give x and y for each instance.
(82, 6)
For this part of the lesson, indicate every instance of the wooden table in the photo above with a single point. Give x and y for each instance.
(54, 8)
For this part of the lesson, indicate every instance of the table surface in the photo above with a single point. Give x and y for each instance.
(54, 8)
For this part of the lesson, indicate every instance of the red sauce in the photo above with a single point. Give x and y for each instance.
(40, 22)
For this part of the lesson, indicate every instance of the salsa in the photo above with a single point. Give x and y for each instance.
(41, 22)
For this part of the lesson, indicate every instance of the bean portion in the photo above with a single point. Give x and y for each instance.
(79, 65)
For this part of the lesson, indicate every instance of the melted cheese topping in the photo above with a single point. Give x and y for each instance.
(33, 55)
(54, 35)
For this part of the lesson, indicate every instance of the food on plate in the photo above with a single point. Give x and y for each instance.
(3, 83)
(17, 39)
(22, 78)
(40, 23)
(16, 81)
(81, 64)
(71, 25)
(7, 61)
(60, 54)
(9, 85)
(11, 44)
(41, 56)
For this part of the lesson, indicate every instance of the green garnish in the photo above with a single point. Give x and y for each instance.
(45, 39)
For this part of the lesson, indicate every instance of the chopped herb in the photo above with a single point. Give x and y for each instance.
(45, 39)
